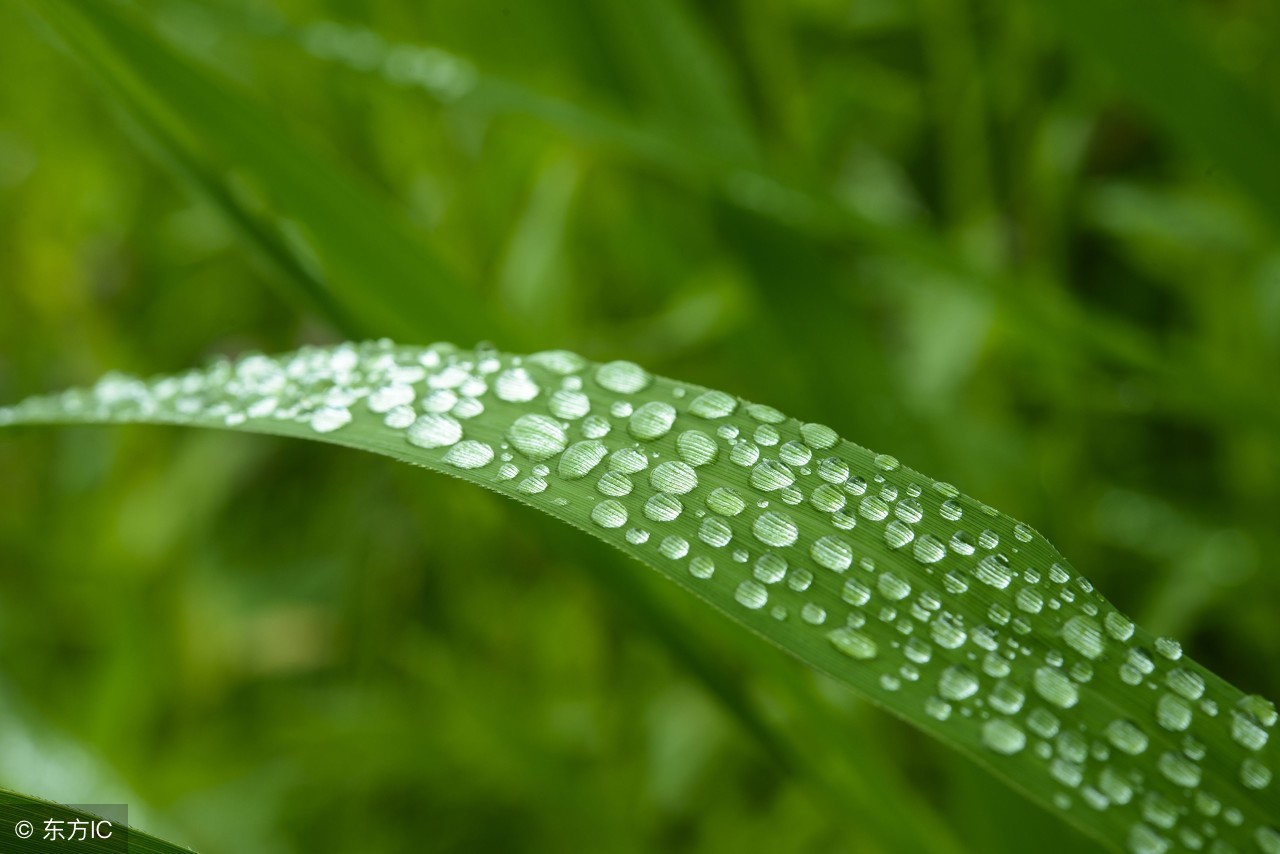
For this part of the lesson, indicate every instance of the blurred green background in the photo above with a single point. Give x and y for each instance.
(1028, 247)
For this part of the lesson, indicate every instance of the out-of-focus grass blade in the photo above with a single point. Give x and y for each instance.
(330, 234)
(1156, 60)
(960, 620)
(25, 827)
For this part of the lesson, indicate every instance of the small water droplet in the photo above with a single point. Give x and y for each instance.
(884, 462)
(819, 437)
(673, 476)
(673, 547)
(726, 501)
(893, 586)
(1054, 686)
(771, 475)
(897, 534)
(580, 458)
(832, 552)
(569, 404)
(713, 404)
(614, 484)
(628, 461)
(1084, 635)
(1127, 736)
(1173, 713)
(326, 419)
(715, 532)
(697, 448)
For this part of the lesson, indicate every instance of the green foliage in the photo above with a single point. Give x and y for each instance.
(935, 225)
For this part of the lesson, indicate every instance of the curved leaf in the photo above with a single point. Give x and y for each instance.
(953, 616)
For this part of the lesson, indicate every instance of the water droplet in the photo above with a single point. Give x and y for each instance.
(775, 529)
(726, 501)
(508, 471)
(326, 419)
(1084, 635)
(951, 510)
(994, 571)
(1125, 735)
(532, 485)
(833, 470)
(715, 532)
(637, 536)
(897, 535)
(1179, 770)
(819, 437)
(673, 476)
(615, 484)
(1030, 600)
(957, 683)
(652, 420)
(827, 498)
(751, 594)
(795, 454)
(1022, 533)
(832, 552)
(962, 543)
(1173, 713)
(744, 454)
(1003, 737)
(852, 643)
(909, 511)
(580, 458)
(947, 633)
(884, 462)
(713, 404)
(770, 568)
(696, 448)
(663, 507)
(893, 586)
(1246, 732)
(765, 414)
(813, 614)
(701, 566)
(673, 547)
(514, 385)
(623, 377)
(388, 397)
(873, 508)
(1255, 775)
(434, 431)
(771, 475)
(855, 592)
(988, 539)
(609, 514)
(561, 362)
(1186, 683)
(1006, 698)
(628, 461)
(1054, 686)
(569, 404)
(1169, 648)
(596, 427)
(536, 436)
(1118, 625)
(469, 454)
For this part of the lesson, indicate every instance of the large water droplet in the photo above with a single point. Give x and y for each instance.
(1127, 736)
(663, 507)
(652, 420)
(1054, 686)
(713, 404)
(1084, 635)
(434, 431)
(832, 552)
(771, 475)
(853, 643)
(1003, 737)
(696, 448)
(469, 454)
(673, 476)
(580, 458)
(775, 529)
(957, 683)
(928, 549)
(569, 404)
(609, 514)
(623, 377)
(536, 436)
(819, 437)
(514, 385)
(994, 570)
(1173, 713)
(726, 501)
(326, 419)
(715, 532)
(751, 594)
(897, 534)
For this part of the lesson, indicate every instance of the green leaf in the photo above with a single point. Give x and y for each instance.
(332, 237)
(951, 615)
(23, 814)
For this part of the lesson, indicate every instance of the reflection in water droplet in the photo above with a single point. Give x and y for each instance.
(652, 420)
(775, 529)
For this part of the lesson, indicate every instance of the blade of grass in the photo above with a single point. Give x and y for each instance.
(331, 236)
(23, 825)
(958, 619)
